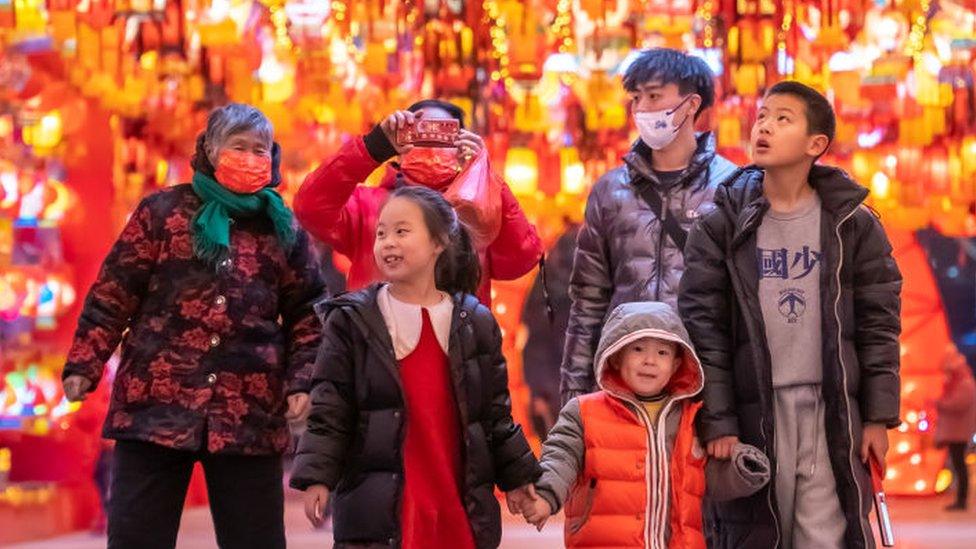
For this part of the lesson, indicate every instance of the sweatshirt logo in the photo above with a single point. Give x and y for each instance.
(776, 263)
(792, 304)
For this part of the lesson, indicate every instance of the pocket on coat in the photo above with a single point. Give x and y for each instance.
(381, 434)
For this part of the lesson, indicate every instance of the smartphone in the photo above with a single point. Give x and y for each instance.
(430, 133)
(881, 504)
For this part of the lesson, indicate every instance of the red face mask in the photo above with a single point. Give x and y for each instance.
(243, 172)
(432, 167)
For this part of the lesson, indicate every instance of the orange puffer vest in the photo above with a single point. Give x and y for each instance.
(628, 496)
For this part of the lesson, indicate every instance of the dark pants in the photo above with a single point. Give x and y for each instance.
(957, 457)
(103, 479)
(149, 484)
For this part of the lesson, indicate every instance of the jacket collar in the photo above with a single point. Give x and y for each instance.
(741, 196)
(638, 161)
(365, 306)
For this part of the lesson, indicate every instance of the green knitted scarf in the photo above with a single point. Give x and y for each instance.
(211, 225)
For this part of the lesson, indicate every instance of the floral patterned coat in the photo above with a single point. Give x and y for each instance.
(208, 353)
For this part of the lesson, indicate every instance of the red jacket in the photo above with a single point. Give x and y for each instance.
(336, 208)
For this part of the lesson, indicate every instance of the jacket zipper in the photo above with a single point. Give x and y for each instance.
(663, 463)
(653, 471)
(660, 246)
(650, 475)
(843, 371)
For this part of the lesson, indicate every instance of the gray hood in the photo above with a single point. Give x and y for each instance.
(632, 321)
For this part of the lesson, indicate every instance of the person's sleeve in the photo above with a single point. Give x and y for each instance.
(115, 296)
(562, 457)
(877, 324)
(705, 306)
(323, 447)
(514, 463)
(517, 248)
(591, 289)
(302, 286)
(325, 204)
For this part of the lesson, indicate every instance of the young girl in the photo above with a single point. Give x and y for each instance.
(411, 421)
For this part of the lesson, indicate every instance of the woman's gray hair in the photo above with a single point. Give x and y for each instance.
(232, 119)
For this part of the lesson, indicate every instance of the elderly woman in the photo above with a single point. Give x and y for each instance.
(210, 290)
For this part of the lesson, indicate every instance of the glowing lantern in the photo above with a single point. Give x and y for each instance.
(522, 170)
(938, 168)
(880, 186)
(573, 172)
(46, 133)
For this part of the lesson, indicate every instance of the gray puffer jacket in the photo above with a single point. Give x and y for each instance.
(623, 253)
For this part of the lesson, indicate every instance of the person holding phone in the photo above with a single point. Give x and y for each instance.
(336, 207)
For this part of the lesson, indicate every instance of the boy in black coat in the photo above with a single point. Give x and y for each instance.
(791, 297)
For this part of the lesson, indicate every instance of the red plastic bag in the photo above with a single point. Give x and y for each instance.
(476, 194)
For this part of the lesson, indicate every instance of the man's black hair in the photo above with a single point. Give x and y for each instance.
(819, 113)
(451, 108)
(691, 74)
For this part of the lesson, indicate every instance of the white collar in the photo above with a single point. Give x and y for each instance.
(405, 321)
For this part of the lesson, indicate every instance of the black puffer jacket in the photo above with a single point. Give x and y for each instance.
(719, 302)
(354, 441)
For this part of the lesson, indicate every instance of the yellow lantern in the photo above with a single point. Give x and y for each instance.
(522, 170)
(573, 172)
(46, 133)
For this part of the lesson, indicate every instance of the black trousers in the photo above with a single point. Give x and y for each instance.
(957, 457)
(149, 485)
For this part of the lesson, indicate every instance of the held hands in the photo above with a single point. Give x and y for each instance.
(721, 448)
(299, 405)
(537, 512)
(76, 388)
(874, 442)
(316, 498)
(526, 502)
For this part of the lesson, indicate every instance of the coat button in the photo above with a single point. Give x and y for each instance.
(391, 541)
(214, 340)
(211, 379)
(396, 414)
(220, 301)
(395, 476)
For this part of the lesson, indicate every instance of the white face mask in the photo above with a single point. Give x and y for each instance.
(657, 128)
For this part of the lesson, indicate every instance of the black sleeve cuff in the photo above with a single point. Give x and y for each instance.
(378, 145)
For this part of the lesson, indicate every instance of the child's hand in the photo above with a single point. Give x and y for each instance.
(316, 497)
(537, 512)
(518, 497)
(721, 448)
(874, 441)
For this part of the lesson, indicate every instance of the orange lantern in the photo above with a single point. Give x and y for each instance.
(522, 170)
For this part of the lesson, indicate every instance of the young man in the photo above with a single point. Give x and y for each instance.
(638, 215)
(791, 297)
